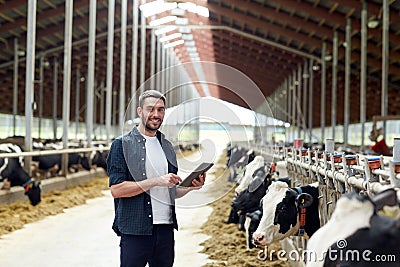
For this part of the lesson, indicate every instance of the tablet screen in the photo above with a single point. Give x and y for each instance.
(203, 167)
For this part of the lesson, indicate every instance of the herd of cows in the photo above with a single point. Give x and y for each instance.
(13, 171)
(269, 210)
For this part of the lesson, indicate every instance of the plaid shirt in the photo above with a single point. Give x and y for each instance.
(133, 215)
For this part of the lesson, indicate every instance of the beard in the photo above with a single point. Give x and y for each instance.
(149, 126)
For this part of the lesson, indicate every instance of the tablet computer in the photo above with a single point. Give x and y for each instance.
(203, 167)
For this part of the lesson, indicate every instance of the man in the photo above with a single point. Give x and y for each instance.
(143, 176)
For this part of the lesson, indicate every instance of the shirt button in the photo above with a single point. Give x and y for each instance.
(149, 215)
(138, 141)
(144, 174)
(143, 147)
(142, 158)
(148, 202)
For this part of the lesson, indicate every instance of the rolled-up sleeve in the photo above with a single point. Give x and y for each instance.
(116, 164)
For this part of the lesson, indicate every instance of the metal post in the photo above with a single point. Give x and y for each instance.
(363, 74)
(102, 88)
(289, 105)
(311, 99)
(298, 101)
(347, 84)
(152, 58)
(142, 49)
(15, 86)
(385, 62)
(134, 56)
(40, 102)
(122, 69)
(159, 51)
(30, 79)
(334, 83)
(110, 59)
(90, 75)
(69, 12)
(305, 88)
(323, 91)
(163, 64)
(294, 102)
(77, 100)
(55, 96)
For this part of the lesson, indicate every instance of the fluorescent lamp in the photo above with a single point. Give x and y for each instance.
(173, 44)
(203, 11)
(191, 49)
(163, 20)
(184, 29)
(178, 12)
(190, 43)
(182, 21)
(157, 7)
(170, 37)
(165, 30)
(187, 37)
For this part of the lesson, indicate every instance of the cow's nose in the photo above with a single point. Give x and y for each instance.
(258, 238)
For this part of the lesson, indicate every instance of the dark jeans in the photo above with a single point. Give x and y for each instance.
(156, 249)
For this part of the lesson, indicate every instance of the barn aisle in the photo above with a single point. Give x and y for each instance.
(82, 236)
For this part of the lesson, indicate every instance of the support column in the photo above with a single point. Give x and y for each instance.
(347, 84)
(311, 99)
(69, 12)
(122, 69)
(323, 92)
(142, 49)
(15, 86)
(385, 63)
(135, 27)
(334, 84)
(91, 69)
(30, 79)
(77, 100)
(363, 74)
(110, 63)
(55, 96)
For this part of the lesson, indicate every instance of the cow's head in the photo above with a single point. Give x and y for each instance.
(84, 161)
(280, 213)
(33, 191)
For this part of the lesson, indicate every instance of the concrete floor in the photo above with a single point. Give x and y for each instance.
(82, 236)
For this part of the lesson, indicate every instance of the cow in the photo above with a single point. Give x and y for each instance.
(249, 172)
(252, 221)
(249, 199)
(356, 234)
(283, 207)
(99, 159)
(12, 170)
(52, 163)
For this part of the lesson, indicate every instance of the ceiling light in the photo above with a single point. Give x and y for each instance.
(178, 12)
(163, 20)
(328, 57)
(173, 44)
(157, 7)
(184, 29)
(187, 37)
(315, 67)
(191, 49)
(190, 43)
(203, 11)
(170, 37)
(165, 29)
(182, 21)
(373, 22)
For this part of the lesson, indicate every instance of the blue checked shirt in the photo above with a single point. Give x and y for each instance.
(126, 162)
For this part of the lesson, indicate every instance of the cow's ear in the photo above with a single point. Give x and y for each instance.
(304, 200)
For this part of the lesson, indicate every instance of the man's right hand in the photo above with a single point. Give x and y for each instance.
(169, 180)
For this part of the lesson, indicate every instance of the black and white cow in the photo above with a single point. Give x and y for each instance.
(282, 209)
(356, 235)
(49, 162)
(249, 172)
(12, 170)
(99, 159)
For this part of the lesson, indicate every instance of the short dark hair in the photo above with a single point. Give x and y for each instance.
(150, 93)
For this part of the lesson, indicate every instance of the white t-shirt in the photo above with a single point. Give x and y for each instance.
(157, 165)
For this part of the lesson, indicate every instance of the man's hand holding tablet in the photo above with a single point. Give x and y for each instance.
(197, 177)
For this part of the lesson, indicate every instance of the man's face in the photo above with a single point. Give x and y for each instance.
(152, 113)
